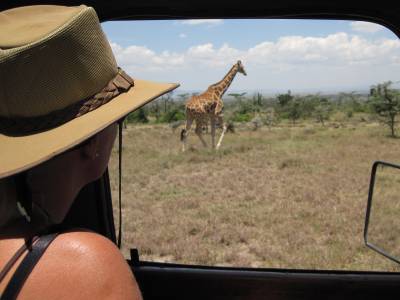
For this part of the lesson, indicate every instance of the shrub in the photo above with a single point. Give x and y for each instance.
(322, 112)
(270, 117)
(172, 115)
(284, 99)
(349, 114)
(138, 116)
(238, 117)
(385, 103)
(294, 111)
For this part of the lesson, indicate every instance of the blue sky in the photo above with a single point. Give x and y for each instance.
(301, 55)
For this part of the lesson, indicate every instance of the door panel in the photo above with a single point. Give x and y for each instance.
(159, 280)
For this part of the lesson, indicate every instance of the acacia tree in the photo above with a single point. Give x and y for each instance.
(154, 109)
(352, 102)
(258, 101)
(322, 111)
(385, 103)
(294, 109)
(138, 116)
(270, 117)
(238, 96)
(184, 96)
(167, 98)
(284, 99)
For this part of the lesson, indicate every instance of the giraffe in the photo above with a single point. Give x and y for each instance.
(208, 106)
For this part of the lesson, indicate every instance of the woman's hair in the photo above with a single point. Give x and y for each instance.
(16, 214)
(8, 202)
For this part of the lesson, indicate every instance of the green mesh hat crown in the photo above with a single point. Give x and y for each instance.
(60, 83)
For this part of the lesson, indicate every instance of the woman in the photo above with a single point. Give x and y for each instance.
(61, 97)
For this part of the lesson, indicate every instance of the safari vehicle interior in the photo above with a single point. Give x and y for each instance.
(177, 281)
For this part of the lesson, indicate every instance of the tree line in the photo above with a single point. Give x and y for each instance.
(382, 103)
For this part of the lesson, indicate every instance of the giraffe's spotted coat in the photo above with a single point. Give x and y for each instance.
(208, 106)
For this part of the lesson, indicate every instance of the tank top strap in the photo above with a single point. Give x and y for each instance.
(15, 257)
(25, 268)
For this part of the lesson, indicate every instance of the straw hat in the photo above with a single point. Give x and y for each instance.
(59, 83)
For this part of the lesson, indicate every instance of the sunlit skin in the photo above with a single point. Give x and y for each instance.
(90, 266)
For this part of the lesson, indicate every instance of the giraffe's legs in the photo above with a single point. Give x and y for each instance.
(185, 132)
(221, 121)
(212, 119)
(199, 132)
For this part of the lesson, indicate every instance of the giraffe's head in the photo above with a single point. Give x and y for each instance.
(241, 68)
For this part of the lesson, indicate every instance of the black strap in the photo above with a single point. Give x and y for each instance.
(25, 268)
(120, 122)
(15, 257)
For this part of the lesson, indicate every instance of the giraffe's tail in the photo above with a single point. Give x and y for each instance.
(183, 135)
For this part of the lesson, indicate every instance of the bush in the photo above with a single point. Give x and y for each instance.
(138, 116)
(349, 114)
(238, 117)
(173, 115)
(245, 107)
(285, 99)
(385, 102)
(294, 110)
(322, 112)
(257, 122)
(270, 117)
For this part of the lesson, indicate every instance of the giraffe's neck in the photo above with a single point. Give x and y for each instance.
(221, 86)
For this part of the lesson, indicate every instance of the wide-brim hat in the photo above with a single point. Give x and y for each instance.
(59, 83)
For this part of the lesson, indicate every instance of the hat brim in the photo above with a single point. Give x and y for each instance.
(20, 153)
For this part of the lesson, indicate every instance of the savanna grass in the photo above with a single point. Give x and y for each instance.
(292, 196)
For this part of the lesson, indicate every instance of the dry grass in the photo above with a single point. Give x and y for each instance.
(384, 225)
(292, 197)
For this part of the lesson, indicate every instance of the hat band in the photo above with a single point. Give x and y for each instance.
(19, 126)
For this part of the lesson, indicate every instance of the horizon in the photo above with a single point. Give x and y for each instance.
(270, 92)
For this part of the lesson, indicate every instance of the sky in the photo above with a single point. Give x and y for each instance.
(278, 55)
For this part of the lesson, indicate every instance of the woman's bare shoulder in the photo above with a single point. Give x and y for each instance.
(81, 265)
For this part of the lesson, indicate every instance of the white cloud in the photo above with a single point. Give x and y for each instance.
(289, 62)
(203, 21)
(335, 49)
(207, 55)
(182, 36)
(366, 27)
(143, 58)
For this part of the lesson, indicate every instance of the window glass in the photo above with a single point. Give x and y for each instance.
(288, 186)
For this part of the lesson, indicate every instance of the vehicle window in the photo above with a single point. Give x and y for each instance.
(288, 185)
